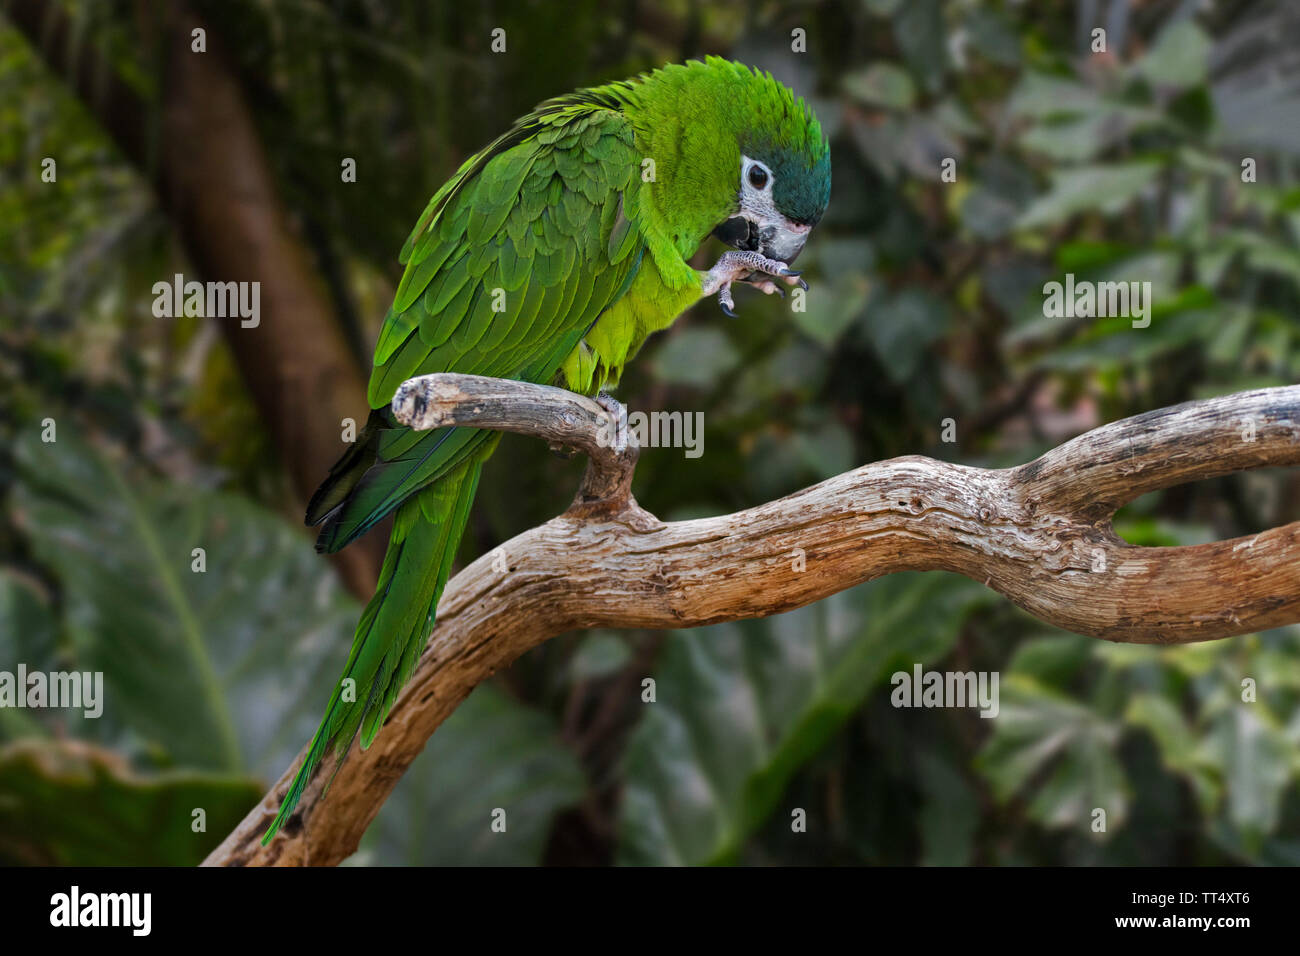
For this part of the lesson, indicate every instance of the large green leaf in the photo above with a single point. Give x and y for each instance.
(1236, 757)
(1256, 759)
(919, 32)
(226, 668)
(1076, 139)
(1044, 95)
(902, 326)
(27, 636)
(694, 356)
(72, 804)
(949, 815)
(26, 620)
(494, 755)
(834, 302)
(1179, 57)
(813, 453)
(1066, 750)
(740, 706)
(1106, 188)
(1179, 748)
(882, 84)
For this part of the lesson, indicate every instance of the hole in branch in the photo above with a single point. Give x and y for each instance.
(1216, 509)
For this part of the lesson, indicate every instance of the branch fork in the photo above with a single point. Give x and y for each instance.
(595, 427)
(1040, 534)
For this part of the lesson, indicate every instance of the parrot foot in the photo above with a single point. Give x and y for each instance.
(616, 433)
(759, 271)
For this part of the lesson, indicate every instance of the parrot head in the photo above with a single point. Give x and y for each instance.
(739, 155)
(781, 171)
(773, 215)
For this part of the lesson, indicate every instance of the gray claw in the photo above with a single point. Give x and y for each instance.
(726, 310)
(788, 272)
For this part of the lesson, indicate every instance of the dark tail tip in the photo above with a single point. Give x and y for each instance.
(325, 541)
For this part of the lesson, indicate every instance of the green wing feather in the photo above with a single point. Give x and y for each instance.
(566, 259)
(511, 263)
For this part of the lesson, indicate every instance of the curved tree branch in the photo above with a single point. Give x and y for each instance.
(1040, 534)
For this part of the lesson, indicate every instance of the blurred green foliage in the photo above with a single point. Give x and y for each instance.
(926, 305)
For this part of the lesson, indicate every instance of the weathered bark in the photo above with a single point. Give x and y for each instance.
(1040, 534)
(206, 164)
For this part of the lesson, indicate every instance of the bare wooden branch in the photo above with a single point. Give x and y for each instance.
(1040, 534)
(556, 415)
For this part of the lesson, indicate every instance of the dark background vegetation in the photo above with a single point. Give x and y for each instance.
(926, 304)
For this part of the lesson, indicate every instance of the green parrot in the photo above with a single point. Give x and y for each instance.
(580, 221)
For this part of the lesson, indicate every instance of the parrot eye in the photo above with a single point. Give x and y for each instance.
(757, 176)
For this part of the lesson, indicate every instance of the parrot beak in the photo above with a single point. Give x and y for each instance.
(782, 239)
(739, 233)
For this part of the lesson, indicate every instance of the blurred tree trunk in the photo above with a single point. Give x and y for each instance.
(202, 154)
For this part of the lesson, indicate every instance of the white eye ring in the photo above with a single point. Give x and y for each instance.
(756, 175)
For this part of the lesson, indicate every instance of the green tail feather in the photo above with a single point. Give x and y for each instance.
(388, 464)
(395, 624)
(339, 485)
